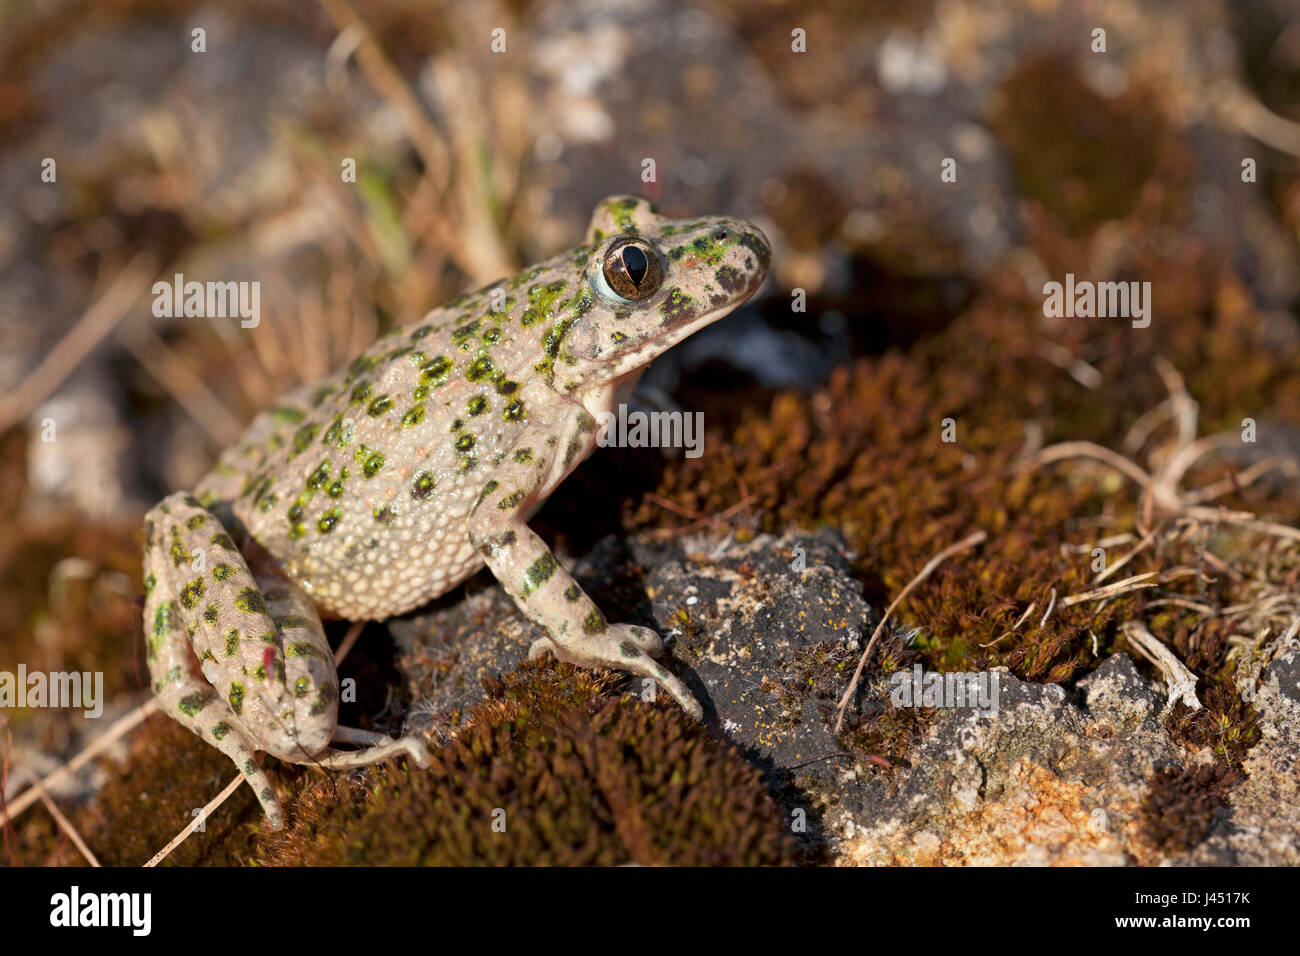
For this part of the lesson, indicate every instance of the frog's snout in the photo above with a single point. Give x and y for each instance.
(751, 253)
(761, 247)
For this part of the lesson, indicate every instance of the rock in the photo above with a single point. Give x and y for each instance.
(1085, 775)
(743, 621)
(1262, 824)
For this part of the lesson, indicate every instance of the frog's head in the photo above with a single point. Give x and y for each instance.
(654, 281)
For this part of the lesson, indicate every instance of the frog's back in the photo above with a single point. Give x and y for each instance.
(359, 484)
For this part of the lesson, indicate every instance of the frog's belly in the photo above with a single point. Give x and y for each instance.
(371, 570)
(373, 590)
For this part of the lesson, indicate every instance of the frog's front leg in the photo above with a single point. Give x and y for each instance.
(576, 630)
(241, 659)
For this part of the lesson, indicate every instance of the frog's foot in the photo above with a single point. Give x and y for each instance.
(196, 706)
(623, 647)
(379, 747)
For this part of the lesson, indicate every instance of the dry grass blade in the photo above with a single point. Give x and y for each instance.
(100, 319)
(193, 825)
(183, 383)
(1086, 449)
(964, 544)
(1198, 607)
(1135, 583)
(114, 733)
(383, 76)
(479, 251)
(1124, 560)
(1182, 406)
(1244, 479)
(1243, 519)
(64, 823)
(1181, 682)
(1240, 107)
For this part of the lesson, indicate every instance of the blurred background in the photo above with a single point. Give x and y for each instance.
(923, 298)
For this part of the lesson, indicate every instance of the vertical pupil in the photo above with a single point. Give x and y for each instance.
(635, 262)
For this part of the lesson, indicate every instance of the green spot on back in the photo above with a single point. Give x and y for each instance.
(329, 520)
(423, 485)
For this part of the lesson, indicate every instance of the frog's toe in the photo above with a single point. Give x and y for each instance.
(645, 638)
(416, 750)
(379, 748)
(624, 647)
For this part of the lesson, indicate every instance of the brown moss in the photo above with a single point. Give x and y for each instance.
(150, 798)
(575, 777)
(1083, 157)
(1180, 806)
(72, 621)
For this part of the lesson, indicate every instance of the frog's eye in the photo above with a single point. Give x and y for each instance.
(631, 269)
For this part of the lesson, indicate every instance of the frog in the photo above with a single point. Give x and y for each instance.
(368, 493)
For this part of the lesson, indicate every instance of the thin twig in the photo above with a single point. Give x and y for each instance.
(964, 544)
(349, 639)
(1124, 560)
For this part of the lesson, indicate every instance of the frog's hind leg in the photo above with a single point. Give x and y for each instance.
(241, 661)
(268, 680)
(185, 696)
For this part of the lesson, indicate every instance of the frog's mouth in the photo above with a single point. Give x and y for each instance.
(634, 360)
